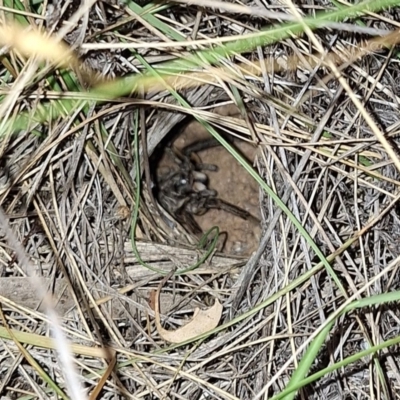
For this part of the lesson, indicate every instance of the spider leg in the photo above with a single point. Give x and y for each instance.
(213, 202)
(201, 190)
(191, 150)
(206, 167)
(204, 144)
(196, 204)
(186, 219)
(176, 156)
(199, 177)
(199, 146)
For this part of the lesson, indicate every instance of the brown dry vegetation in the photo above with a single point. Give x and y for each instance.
(68, 185)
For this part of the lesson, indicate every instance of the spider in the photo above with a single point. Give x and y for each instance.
(183, 191)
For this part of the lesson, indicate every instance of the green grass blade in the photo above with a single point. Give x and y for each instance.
(297, 380)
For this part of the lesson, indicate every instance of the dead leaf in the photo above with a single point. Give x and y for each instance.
(202, 321)
(153, 299)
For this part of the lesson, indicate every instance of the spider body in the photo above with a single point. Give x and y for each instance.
(183, 191)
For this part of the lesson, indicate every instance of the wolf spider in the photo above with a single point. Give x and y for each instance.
(183, 192)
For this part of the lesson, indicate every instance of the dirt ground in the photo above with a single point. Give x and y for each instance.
(233, 185)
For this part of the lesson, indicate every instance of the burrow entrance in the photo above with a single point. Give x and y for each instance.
(232, 183)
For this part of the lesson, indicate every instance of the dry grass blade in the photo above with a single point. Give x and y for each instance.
(62, 346)
(319, 110)
(94, 395)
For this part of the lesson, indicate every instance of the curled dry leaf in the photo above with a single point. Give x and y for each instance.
(202, 322)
